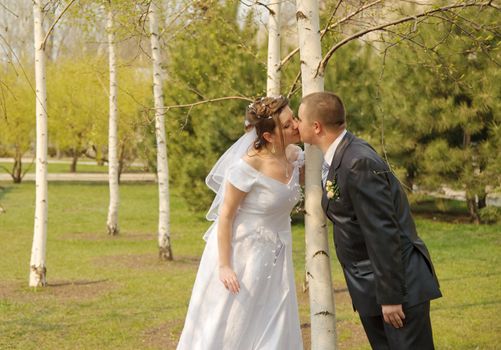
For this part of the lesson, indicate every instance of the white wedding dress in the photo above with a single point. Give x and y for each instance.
(264, 314)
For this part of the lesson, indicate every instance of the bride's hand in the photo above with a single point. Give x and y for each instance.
(228, 277)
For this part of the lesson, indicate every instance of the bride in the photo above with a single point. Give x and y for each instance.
(244, 295)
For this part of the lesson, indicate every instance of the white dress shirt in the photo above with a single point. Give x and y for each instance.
(329, 155)
(332, 148)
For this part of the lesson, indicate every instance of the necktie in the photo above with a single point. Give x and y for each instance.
(325, 172)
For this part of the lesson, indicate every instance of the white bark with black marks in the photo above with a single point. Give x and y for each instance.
(113, 166)
(164, 246)
(273, 81)
(38, 269)
(318, 271)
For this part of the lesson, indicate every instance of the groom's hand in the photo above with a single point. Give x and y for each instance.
(394, 315)
(228, 277)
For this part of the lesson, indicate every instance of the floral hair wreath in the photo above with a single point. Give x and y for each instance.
(265, 107)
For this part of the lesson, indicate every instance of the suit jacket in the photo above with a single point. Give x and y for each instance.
(383, 259)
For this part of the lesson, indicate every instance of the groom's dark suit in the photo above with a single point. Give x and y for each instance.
(383, 259)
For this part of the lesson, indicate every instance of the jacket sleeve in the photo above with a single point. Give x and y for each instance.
(371, 198)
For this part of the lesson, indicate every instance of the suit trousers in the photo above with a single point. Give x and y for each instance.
(416, 333)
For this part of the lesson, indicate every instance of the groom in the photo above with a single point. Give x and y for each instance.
(386, 265)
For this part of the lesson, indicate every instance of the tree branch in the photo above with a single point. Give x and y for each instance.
(325, 60)
(190, 105)
(293, 89)
(330, 27)
(330, 19)
(44, 41)
(6, 169)
(467, 33)
(28, 168)
(260, 4)
(353, 14)
(20, 66)
(9, 10)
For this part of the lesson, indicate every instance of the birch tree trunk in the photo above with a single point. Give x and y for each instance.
(318, 272)
(165, 250)
(38, 268)
(273, 81)
(112, 222)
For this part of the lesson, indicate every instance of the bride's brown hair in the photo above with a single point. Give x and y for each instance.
(263, 114)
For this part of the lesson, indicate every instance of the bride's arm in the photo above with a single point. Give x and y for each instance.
(232, 199)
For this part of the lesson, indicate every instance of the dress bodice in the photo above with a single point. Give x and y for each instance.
(268, 202)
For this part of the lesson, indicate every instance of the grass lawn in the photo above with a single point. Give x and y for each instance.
(112, 292)
(65, 168)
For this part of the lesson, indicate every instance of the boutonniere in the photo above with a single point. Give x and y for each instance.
(332, 189)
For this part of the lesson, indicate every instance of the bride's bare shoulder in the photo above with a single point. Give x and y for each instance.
(253, 159)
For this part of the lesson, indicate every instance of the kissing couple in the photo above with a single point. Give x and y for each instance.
(244, 296)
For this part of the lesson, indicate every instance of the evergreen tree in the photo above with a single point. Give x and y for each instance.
(215, 55)
(442, 108)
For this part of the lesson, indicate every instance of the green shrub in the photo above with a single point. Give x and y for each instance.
(490, 215)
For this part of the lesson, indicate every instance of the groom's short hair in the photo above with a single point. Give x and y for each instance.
(326, 107)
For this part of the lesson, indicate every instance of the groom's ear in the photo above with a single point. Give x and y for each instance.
(317, 127)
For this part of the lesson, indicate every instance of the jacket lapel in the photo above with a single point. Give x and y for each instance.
(336, 162)
(325, 200)
(338, 155)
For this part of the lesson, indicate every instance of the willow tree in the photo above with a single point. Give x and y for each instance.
(164, 245)
(322, 312)
(17, 124)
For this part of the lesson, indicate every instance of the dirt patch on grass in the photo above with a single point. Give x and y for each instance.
(306, 334)
(8, 290)
(62, 290)
(86, 236)
(165, 336)
(149, 261)
(350, 333)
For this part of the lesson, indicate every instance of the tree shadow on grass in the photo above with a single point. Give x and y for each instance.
(95, 236)
(4, 190)
(467, 305)
(75, 283)
(78, 289)
(149, 261)
(62, 290)
(471, 275)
